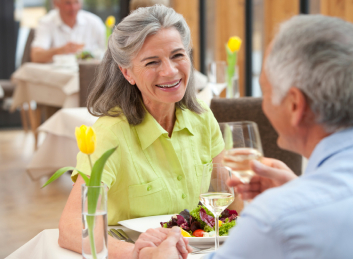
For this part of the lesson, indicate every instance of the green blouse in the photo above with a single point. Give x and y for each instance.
(150, 173)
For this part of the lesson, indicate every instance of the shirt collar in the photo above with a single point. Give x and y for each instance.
(149, 130)
(329, 146)
(80, 19)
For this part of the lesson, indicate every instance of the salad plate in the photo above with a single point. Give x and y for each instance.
(142, 224)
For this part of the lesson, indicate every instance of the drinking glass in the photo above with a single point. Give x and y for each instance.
(94, 232)
(215, 194)
(217, 76)
(242, 145)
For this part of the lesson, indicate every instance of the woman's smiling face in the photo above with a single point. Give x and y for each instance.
(161, 69)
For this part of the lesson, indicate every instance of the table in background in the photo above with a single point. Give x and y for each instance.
(59, 148)
(46, 85)
(45, 246)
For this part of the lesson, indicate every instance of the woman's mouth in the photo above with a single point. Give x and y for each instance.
(170, 85)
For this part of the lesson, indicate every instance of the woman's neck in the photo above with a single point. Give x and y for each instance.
(164, 114)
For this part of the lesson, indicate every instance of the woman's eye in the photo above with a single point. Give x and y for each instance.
(178, 55)
(151, 63)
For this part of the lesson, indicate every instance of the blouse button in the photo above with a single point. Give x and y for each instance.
(183, 196)
(179, 177)
(149, 188)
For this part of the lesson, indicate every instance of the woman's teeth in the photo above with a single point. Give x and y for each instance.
(169, 86)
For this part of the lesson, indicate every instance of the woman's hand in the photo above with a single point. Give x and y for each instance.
(268, 173)
(154, 238)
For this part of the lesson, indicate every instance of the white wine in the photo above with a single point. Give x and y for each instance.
(216, 201)
(239, 159)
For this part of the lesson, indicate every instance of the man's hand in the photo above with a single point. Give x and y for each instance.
(268, 173)
(69, 48)
(41, 55)
(154, 241)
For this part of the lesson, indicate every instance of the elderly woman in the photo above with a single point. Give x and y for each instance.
(146, 102)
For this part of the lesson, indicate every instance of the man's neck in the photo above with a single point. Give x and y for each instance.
(69, 22)
(310, 140)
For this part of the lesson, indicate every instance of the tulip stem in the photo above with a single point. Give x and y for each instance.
(90, 161)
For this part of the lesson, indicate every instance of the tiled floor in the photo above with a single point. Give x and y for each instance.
(25, 208)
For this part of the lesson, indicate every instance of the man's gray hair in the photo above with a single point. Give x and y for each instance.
(111, 88)
(315, 54)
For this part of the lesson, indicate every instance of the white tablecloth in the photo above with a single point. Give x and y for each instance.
(46, 85)
(45, 246)
(59, 148)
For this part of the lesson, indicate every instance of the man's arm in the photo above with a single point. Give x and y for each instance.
(41, 55)
(251, 238)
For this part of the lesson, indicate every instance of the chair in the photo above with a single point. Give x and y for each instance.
(87, 74)
(9, 87)
(249, 108)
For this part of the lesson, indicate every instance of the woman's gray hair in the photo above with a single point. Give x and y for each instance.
(315, 54)
(111, 89)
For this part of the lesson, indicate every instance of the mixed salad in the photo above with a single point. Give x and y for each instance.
(200, 222)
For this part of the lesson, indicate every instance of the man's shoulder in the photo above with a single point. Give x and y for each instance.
(90, 17)
(324, 188)
(50, 17)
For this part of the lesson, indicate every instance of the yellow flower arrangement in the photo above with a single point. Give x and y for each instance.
(232, 48)
(86, 142)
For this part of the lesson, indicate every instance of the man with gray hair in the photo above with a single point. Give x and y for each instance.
(65, 30)
(307, 84)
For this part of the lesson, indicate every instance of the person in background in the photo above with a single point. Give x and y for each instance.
(67, 29)
(307, 84)
(134, 4)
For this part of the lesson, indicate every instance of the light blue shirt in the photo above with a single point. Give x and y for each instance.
(310, 217)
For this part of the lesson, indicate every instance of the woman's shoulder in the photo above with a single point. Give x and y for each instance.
(197, 118)
(106, 124)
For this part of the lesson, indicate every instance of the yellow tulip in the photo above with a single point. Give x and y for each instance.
(86, 139)
(110, 21)
(234, 43)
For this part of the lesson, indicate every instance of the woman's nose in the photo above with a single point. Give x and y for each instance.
(168, 68)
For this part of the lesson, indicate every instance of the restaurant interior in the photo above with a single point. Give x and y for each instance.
(41, 104)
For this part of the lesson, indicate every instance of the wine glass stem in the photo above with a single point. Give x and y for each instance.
(216, 245)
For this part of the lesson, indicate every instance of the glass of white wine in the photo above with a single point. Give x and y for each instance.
(215, 194)
(242, 145)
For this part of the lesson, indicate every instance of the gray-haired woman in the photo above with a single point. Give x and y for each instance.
(146, 102)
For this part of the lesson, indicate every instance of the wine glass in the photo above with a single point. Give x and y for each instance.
(215, 194)
(242, 145)
(217, 76)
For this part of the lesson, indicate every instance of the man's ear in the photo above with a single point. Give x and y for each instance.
(127, 74)
(298, 106)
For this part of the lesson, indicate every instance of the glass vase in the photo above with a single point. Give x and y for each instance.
(233, 85)
(95, 224)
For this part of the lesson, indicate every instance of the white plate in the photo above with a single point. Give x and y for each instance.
(142, 224)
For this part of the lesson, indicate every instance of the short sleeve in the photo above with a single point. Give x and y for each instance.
(42, 36)
(106, 140)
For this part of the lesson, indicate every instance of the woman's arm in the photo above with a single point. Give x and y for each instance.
(70, 227)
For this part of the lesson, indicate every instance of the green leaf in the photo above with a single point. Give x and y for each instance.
(84, 177)
(57, 174)
(95, 180)
(63, 170)
(97, 170)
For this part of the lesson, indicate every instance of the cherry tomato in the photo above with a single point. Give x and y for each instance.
(198, 233)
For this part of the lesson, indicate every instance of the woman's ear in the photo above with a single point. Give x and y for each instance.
(127, 74)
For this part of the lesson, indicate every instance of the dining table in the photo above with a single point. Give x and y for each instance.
(58, 147)
(45, 246)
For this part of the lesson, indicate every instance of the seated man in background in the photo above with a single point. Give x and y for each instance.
(65, 30)
(307, 84)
